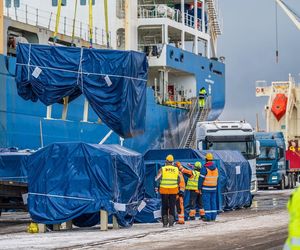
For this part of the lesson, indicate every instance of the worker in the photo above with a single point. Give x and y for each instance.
(180, 198)
(208, 182)
(192, 187)
(168, 178)
(293, 240)
(202, 97)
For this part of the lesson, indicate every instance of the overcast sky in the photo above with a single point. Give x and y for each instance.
(249, 43)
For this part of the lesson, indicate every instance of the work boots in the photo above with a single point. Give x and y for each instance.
(171, 220)
(165, 220)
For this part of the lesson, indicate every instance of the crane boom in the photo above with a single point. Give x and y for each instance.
(289, 13)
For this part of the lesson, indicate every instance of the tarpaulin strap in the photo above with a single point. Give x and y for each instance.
(62, 196)
(85, 73)
(80, 70)
(241, 191)
(28, 65)
(57, 20)
(91, 22)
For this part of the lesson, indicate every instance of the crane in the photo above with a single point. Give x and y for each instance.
(290, 13)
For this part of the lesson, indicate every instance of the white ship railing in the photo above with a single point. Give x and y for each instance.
(41, 18)
(163, 11)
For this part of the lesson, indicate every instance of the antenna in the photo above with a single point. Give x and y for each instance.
(276, 27)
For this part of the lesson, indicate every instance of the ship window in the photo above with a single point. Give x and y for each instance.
(55, 2)
(202, 67)
(17, 3)
(7, 3)
(83, 2)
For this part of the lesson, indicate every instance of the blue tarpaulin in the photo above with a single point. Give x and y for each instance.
(69, 180)
(114, 82)
(13, 165)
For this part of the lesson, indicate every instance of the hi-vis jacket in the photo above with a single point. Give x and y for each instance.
(293, 241)
(209, 174)
(169, 180)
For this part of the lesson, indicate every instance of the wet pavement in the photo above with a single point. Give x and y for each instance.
(270, 199)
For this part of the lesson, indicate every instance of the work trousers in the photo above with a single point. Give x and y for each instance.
(195, 201)
(168, 203)
(201, 102)
(180, 208)
(210, 204)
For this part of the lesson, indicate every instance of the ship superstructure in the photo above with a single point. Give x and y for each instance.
(179, 38)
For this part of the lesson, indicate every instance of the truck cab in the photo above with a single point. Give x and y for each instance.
(271, 164)
(230, 135)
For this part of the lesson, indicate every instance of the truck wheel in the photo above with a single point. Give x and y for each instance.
(290, 182)
(282, 183)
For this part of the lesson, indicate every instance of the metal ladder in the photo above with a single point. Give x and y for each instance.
(201, 116)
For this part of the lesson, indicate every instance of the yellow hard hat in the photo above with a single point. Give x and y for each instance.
(170, 158)
(209, 156)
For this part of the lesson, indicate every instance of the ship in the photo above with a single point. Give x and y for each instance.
(179, 39)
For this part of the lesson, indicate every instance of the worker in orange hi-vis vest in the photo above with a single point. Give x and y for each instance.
(192, 187)
(180, 199)
(168, 179)
(208, 184)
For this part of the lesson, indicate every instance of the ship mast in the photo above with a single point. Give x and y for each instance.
(1, 27)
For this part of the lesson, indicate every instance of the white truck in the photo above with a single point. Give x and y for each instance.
(230, 135)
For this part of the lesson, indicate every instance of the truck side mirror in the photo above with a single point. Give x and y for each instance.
(257, 143)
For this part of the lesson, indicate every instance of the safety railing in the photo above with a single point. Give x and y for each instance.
(41, 18)
(191, 117)
(163, 11)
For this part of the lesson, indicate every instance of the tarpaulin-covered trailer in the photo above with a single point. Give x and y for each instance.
(69, 180)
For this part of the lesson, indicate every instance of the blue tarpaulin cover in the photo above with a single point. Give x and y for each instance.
(13, 165)
(114, 82)
(69, 180)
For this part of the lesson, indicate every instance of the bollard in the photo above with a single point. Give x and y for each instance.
(103, 220)
(115, 223)
(42, 228)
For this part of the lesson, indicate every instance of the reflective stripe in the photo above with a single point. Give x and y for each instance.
(202, 175)
(295, 241)
(209, 188)
(169, 177)
(210, 211)
(192, 183)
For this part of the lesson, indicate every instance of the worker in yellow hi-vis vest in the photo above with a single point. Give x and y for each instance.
(168, 178)
(293, 241)
(202, 97)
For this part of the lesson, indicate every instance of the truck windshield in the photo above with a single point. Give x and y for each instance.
(247, 148)
(267, 153)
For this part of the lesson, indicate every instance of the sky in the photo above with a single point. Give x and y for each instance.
(248, 43)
